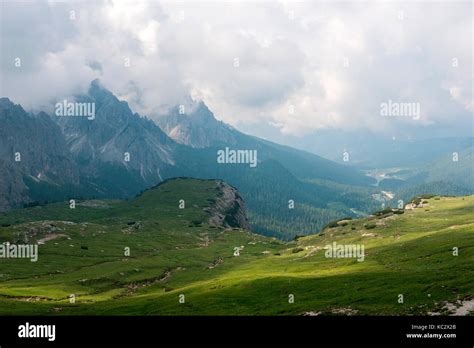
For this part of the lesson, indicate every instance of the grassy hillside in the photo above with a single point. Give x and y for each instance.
(176, 252)
(459, 172)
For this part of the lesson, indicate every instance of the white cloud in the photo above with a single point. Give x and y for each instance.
(334, 63)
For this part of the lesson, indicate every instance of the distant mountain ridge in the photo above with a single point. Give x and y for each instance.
(199, 128)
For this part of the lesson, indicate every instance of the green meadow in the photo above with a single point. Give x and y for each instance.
(146, 256)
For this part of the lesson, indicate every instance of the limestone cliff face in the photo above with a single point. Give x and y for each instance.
(198, 128)
(229, 209)
(115, 132)
(31, 149)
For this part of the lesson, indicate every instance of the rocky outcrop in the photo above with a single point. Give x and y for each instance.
(32, 150)
(228, 210)
(197, 127)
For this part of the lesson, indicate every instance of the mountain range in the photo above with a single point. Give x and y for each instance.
(120, 153)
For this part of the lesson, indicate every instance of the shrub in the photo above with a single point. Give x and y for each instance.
(31, 204)
(195, 223)
(383, 212)
(417, 200)
(331, 224)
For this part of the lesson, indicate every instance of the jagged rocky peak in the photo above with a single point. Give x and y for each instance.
(116, 132)
(104, 98)
(200, 112)
(7, 104)
(97, 90)
(194, 124)
(228, 211)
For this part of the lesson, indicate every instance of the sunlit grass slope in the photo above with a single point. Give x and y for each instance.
(176, 252)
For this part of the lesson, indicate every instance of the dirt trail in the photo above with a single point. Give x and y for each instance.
(50, 237)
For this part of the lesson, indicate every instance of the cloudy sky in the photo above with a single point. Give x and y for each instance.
(281, 68)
